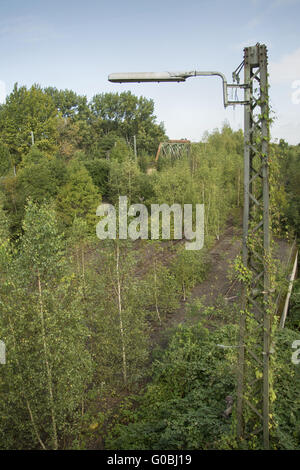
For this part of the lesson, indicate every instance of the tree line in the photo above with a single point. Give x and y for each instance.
(78, 314)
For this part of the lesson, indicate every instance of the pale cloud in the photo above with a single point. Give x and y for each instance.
(287, 129)
(27, 29)
(287, 69)
(255, 21)
(266, 7)
(248, 42)
(282, 3)
(274, 3)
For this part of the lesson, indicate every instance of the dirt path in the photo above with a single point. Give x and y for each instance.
(217, 282)
(222, 255)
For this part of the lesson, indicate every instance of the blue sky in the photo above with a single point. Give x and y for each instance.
(76, 44)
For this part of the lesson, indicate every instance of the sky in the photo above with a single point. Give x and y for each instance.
(76, 44)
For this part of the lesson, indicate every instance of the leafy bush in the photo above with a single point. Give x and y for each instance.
(99, 171)
(286, 387)
(182, 408)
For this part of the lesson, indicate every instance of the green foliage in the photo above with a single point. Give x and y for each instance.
(27, 111)
(13, 202)
(4, 228)
(161, 289)
(293, 318)
(124, 180)
(182, 407)
(71, 137)
(278, 194)
(243, 273)
(76, 313)
(6, 162)
(120, 152)
(189, 268)
(286, 419)
(175, 185)
(68, 103)
(43, 384)
(78, 197)
(101, 144)
(211, 175)
(128, 115)
(289, 158)
(117, 316)
(41, 177)
(99, 171)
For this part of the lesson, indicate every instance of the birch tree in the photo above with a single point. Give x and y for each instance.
(48, 367)
(117, 315)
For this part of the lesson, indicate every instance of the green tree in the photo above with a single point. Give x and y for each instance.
(288, 158)
(175, 185)
(99, 171)
(13, 202)
(44, 382)
(129, 116)
(26, 111)
(6, 162)
(182, 407)
(68, 103)
(189, 268)
(161, 289)
(124, 180)
(120, 152)
(117, 316)
(39, 178)
(78, 197)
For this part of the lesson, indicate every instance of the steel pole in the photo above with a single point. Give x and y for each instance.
(255, 321)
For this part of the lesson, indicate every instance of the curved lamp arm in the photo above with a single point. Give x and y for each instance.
(138, 77)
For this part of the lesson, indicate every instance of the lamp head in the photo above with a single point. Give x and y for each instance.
(147, 77)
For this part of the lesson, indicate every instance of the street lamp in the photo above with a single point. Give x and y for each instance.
(253, 394)
(138, 77)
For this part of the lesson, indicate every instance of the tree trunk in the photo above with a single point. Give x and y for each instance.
(83, 272)
(155, 293)
(238, 189)
(121, 316)
(35, 428)
(48, 369)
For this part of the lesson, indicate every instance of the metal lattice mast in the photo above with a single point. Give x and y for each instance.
(254, 351)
